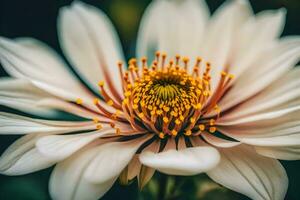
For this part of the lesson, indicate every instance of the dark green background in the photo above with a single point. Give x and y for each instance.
(37, 18)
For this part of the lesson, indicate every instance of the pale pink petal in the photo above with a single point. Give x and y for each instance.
(220, 36)
(36, 62)
(92, 46)
(244, 171)
(218, 142)
(282, 153)
(16, 124)
(172, 27)
(22, 95)
(59, 147)
(267, 27)
(199, 159)
(269, 67)
(68, 182)
(281, 92)
(22, 157)
(117, 154)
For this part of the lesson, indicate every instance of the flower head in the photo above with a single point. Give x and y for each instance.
(230, 113)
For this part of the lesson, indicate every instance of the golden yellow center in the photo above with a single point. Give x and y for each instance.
(167, 98)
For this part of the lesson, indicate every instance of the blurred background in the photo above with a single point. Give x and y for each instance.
(36, 18)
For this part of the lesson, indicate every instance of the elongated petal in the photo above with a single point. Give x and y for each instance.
(173, 27)
(278, 60)
(217, 48)
(275, 129)
(244, 171)
(36, 62)
(118, 154)
(282, 153)
(68, 182)
(271, 97)
(189, 161)
(267, 27)
(92, 46)
(59, 147)
(22, 157)
(22, 95)
(16, 124)
(218, 142)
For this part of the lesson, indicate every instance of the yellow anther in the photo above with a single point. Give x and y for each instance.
(188, 133)
(96, 101)
(181, 117)
(118, 131)
(192, 119)
(223, 73)
(136, 100)
(198, 106)
(125, 101)
(132, 61)
(141, 115)
(110, 102)
(166, 109)
(99, 126)
(101, 83)
(118, 112)
(165, 119)
(231, 76)
(127, 94)
(79, 101)
(159, 112)
(185, 59)
(161, 135)
(152, 112)
(201, 127)
(212, 129)
(135, 106)
(212, 122)
(174, 132)
(177, 121)
(95, 120)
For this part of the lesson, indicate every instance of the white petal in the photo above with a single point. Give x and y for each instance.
(244, 171)
(36, 62)
(221, 34)
(31, 60)
(173, 27)
(16, 124)
(59, 104)
(68, 182)
(219, 142)
(112, 159)
(267, 27)
(22, 157)
(22, 95)
(92, 46)
(271, 97)
(275, 62)
(282, 153)
(189, 161)
(59, 147)
(288, 110)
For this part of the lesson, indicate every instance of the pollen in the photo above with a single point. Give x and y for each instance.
(79, 101)
(166, 98)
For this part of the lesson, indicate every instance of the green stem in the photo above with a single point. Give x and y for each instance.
(162, 187)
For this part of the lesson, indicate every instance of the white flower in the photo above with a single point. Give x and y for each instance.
(169, 117)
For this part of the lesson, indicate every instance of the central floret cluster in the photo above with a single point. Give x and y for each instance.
(168, 99)
(165, 98)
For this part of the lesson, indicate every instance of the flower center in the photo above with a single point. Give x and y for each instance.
(167, 98)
